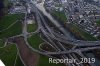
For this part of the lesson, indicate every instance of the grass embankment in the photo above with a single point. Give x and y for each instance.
(75, 29)
(60, 15)
(81, 33)
(35, 41)
(84, 35)
(8, 20)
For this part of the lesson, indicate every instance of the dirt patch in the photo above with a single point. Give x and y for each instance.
(27, 56)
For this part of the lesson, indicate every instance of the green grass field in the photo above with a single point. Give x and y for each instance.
(19, 62)
(8, 54)
(9, 19)
(35, 41)
(60, 15)
(16, 29)
(31, 27)
(98, 22)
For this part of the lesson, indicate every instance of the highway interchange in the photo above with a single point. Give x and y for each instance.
(57, 40)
